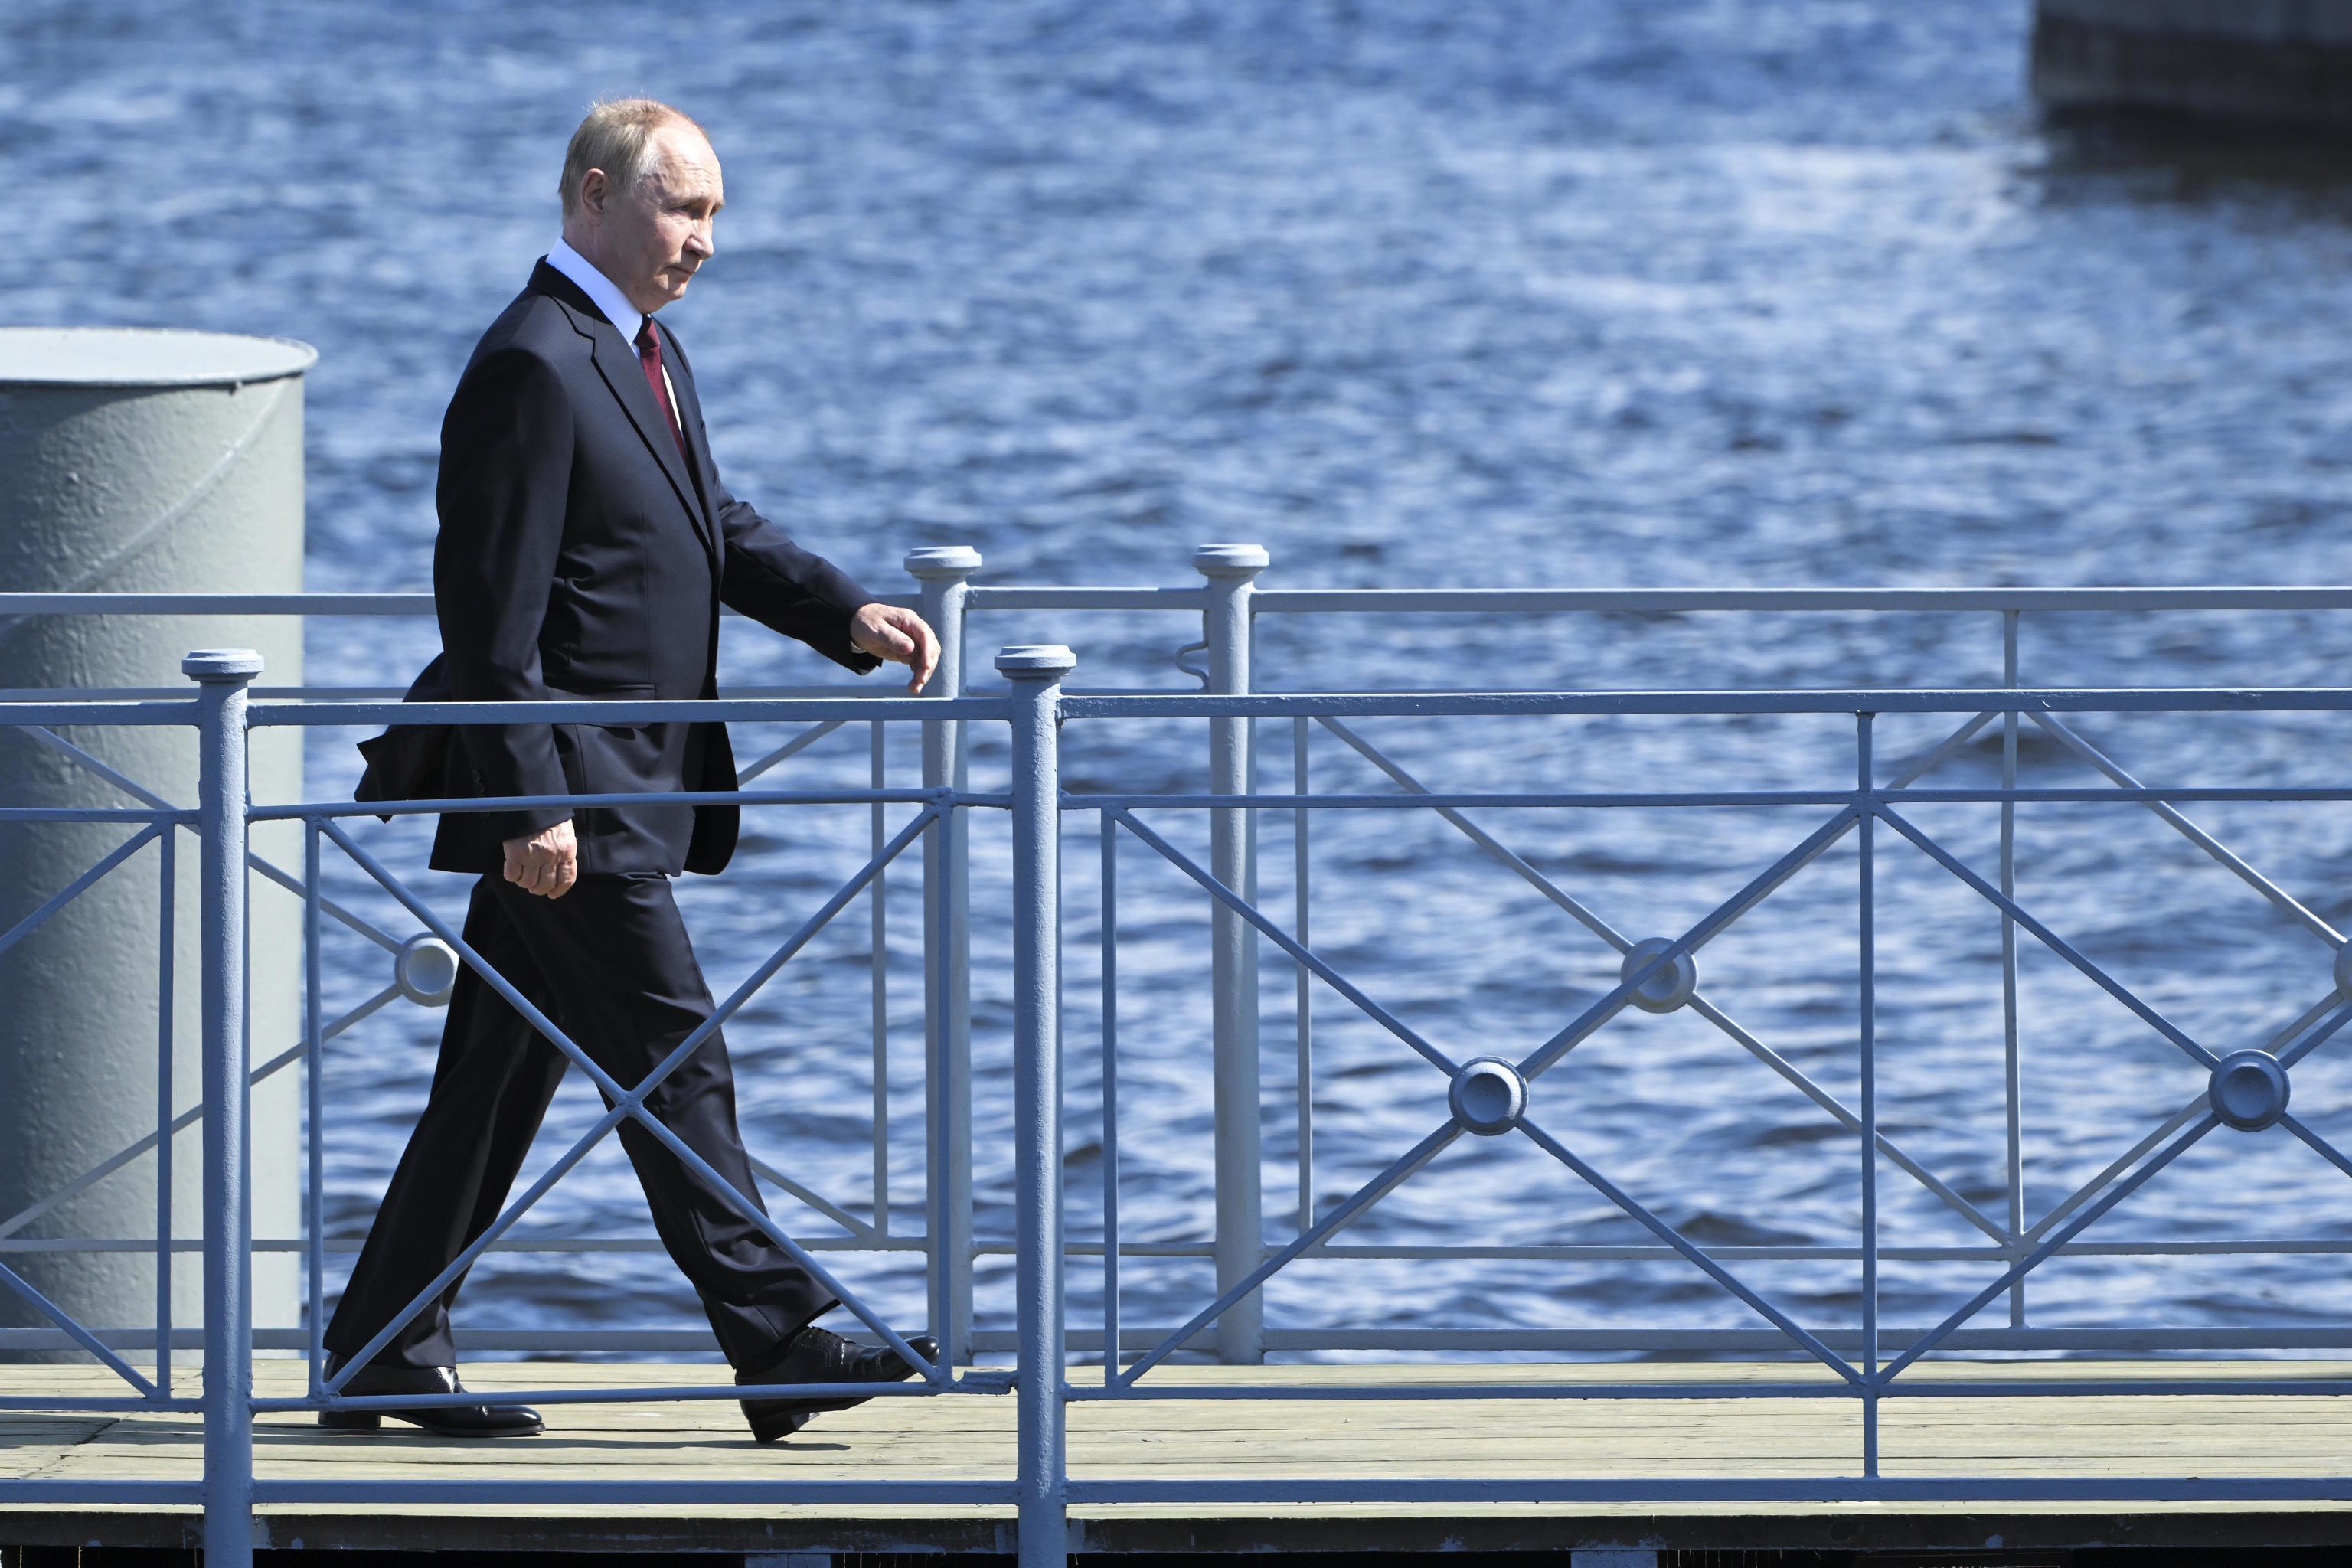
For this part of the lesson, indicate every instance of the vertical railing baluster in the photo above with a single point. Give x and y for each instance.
(167, 844)
(1233, 945)
(222, 833)
(314, 1064)
(1306, 981)
(1869, 1010)
(2014, 1079)
(942, 1087)
(945, 574)
(1035, 672)
(1111, 1095)
(879, 953)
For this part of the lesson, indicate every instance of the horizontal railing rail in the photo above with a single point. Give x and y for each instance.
(1330, 601)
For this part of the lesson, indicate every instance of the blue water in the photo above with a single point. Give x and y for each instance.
(1598, 292)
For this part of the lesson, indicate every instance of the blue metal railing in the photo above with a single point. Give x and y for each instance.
(1487, 1097)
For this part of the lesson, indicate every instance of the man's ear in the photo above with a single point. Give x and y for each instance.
(594, 188)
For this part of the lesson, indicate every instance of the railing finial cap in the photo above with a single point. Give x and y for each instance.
(1036, 660)
(947, 560)
(1230, 560)
(221, 664)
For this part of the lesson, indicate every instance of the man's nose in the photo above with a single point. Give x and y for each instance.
(700, 241)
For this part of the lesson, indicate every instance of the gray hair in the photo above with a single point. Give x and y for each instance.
(617, 137)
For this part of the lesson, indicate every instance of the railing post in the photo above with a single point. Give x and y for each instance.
(945, 572)
(1230, 570)
(2012, 1074)
(222, 677)
(1035, 671)
(1866, 796)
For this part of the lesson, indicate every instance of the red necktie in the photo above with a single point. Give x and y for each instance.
(649, 356)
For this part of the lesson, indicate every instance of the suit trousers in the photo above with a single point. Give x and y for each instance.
(610, 964)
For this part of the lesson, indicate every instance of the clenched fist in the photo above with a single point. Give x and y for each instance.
(546, 863)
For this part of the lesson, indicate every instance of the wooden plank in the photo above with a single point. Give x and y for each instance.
(2090, 1434)
(33, 1445)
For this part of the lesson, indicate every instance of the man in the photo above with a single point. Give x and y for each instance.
(586, 544)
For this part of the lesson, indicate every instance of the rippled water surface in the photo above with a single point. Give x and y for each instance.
(1612, 292)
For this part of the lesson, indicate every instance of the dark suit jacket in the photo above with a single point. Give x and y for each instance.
(579, 557)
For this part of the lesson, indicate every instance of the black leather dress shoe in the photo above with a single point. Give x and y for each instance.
(820, 1355)
(442, 1420)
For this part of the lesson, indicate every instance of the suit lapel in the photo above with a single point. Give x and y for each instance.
(689, 420)
(625, 374)
(624, 377)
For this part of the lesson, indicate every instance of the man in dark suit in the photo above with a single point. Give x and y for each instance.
(586, 545)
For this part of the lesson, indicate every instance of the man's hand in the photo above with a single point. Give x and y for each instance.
(899, 636)
(546, 863)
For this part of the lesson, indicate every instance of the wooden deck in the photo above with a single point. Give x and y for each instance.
(971, 1437)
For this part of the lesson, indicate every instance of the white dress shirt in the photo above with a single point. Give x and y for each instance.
(607, 296)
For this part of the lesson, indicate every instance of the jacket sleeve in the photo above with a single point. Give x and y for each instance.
(505, 465)
(763, 575)
(766, 576)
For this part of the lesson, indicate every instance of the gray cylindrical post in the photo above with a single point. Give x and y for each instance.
(1035, 671)
(945, 574)
(1230, 570)
(221, 678)
(135, 461)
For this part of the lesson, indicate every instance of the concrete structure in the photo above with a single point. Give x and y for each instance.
(135, 460)
(2270, 59)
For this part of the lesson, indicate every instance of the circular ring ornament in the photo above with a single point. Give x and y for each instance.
(1488, 1095)
(426, 970)
(1670, 987)
(2249, 1090)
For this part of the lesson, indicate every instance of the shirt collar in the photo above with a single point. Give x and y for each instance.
(601, 290)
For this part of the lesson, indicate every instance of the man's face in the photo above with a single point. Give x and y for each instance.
(650, 241)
